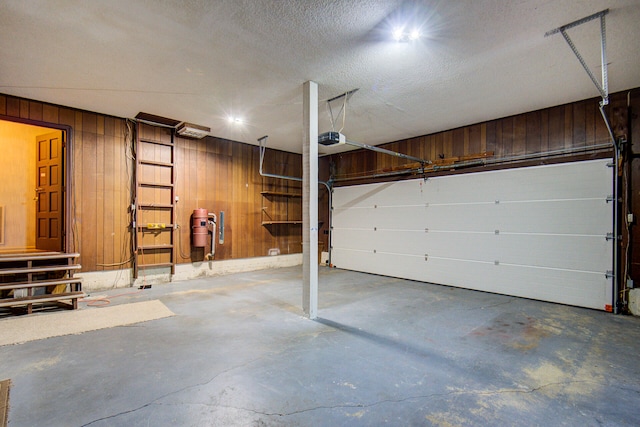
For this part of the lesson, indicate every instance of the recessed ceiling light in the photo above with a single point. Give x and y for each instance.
(236, 120)
(398, 33)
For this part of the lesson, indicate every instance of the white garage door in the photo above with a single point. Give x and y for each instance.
(537, 232)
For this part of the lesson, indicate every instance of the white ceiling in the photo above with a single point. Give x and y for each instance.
(201, 61)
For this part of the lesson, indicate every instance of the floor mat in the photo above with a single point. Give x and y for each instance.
(4, 402)
(36, 327)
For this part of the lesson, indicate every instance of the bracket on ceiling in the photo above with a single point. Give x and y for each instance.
(604, 92)
(343, 109)
(603, 87)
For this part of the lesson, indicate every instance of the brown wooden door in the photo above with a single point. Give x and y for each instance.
(49, 191)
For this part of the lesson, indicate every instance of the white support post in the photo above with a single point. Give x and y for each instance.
(310, 199)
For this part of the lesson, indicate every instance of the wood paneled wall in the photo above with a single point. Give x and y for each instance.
(222, 175)
(212, 173)
(101, 174)
(564, 127)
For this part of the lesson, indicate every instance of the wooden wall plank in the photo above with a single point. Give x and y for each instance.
(465, 145)
(602, 134)
(76, 195)
(556, 128)
(180, 205)
(533, 138)
(78, 121)
(100, 125)
(226, 202)
(13, 106)
(88, 203)
(110, 200)
(100, 201)
(475, 138)
(520, 135)
(50, 113)
(491, 134)
(579, 125)
(568, 126)
(24, 109)
(507, 136)
(67, 117)
(35, 110)
(544, 131)
(116, 192)
(591, 115)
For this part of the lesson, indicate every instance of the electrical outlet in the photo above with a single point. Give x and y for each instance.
(630, 218)
(630, 283)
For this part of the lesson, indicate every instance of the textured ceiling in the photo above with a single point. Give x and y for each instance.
(201, 61)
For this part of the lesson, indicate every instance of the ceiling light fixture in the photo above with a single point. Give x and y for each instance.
(400, 35)
(236, 120)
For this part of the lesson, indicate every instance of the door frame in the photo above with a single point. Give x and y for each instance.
(67, 132)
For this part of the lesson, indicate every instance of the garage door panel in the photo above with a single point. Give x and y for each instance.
(581, 253)
(543, 284)
(537, 232)
(568, 217)
(554, 217)
(569, 252)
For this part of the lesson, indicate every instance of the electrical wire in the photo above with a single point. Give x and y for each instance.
(333, 122)
(344, 113)
(74, 209)
(178, 227)
(115, 264)
(343, 109)
(180, 244)
(127, 136)
(624, 289)
(104, 300)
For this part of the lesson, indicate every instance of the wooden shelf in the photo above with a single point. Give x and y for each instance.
(146, 227)
(153, 141)
(155, 163)
(154, 206)
(280, 193)
(158, 265)
(154, 247)
(280, 222)
(154, 184)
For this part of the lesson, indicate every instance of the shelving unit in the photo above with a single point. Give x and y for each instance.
(154, 213)
(277, 208)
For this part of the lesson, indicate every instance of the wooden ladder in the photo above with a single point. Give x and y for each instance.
(154, 208)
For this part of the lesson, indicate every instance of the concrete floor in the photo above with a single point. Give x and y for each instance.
(384, 352)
